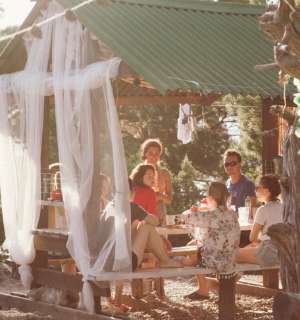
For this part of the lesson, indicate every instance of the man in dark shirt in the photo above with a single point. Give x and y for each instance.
(238, 184)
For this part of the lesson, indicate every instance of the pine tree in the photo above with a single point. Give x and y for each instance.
(185, 190)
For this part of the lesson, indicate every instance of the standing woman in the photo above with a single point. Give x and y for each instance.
(151, 151)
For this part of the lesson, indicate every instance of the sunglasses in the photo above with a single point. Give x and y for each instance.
(230, 164)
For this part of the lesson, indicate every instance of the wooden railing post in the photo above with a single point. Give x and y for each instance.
(227, 298)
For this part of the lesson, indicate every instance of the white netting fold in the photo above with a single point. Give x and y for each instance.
(89, 144)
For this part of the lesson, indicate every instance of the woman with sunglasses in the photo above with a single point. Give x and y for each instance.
(262, 250)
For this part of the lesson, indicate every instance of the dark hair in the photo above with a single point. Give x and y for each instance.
(271, 182)
(218, 191)
(138, 173)
(130, 184)
(232, 152)
(155, 143)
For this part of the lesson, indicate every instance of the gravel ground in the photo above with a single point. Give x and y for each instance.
(174, 306)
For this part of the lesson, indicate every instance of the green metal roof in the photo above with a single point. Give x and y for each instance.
(186, 44)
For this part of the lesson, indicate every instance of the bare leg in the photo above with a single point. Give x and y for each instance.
(139, 240)
(203, 288)
(247, 255)
(156, 245)
(147, 236)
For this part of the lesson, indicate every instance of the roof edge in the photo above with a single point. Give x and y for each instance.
(211, 6)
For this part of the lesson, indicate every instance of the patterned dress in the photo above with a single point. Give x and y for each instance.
(218, 238)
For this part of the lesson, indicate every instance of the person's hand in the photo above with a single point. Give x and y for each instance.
(194, 208)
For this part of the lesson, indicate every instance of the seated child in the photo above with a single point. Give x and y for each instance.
(262, 250)
(220, 237)
(143, 178)
(144, 236)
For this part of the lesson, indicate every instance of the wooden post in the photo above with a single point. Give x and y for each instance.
(227, 298)
(271, 279)
(137, 288)
(41, 257)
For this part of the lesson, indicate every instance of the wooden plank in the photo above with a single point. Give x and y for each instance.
(152, 273)
(183, 251)
(172, 100)
(245, 288)
(57, 245)
(271, 279)
(171, 272)
(227, 299)
(66, 281)
(56, 312)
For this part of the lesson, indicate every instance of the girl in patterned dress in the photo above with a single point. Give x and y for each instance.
(220, 235)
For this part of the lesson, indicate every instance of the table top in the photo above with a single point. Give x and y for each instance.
(187, 229)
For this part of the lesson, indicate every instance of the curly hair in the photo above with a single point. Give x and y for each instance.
(156, 143)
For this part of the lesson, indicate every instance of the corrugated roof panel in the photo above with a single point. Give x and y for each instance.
(186, 44)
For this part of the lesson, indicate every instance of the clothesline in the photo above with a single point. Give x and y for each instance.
(56, 16)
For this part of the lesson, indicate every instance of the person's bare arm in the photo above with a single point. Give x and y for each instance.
(167, 196)
(256, 229)
(253, 202)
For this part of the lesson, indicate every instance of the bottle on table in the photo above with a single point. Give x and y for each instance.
(249, 208)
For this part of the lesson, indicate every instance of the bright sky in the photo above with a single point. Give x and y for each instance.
(15, 11)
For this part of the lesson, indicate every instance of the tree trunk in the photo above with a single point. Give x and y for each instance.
(287, 235)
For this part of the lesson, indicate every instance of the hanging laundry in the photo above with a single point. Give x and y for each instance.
(185, 124)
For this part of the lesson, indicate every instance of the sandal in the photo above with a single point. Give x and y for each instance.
(196, 296)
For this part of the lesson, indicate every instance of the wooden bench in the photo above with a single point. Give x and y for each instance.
(54, 241)
(270, 275)
(47, 240)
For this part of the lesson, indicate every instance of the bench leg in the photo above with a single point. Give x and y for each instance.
(271, 279)
(137, 288)
(227, 299)
(98, 307)
(159, 287)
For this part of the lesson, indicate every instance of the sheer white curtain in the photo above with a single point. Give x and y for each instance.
(88, 131)
(89, 143)
(21, 121)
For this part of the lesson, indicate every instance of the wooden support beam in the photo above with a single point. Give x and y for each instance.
(245, 288)
(171, 100)
(227, 299)
(54, 311)
(67, 281)
(44, 243)
(271, 279)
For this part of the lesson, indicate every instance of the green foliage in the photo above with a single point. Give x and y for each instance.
(185, 190)
(4, 255)
(5, 32)
(247, 111)
(199, 159)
